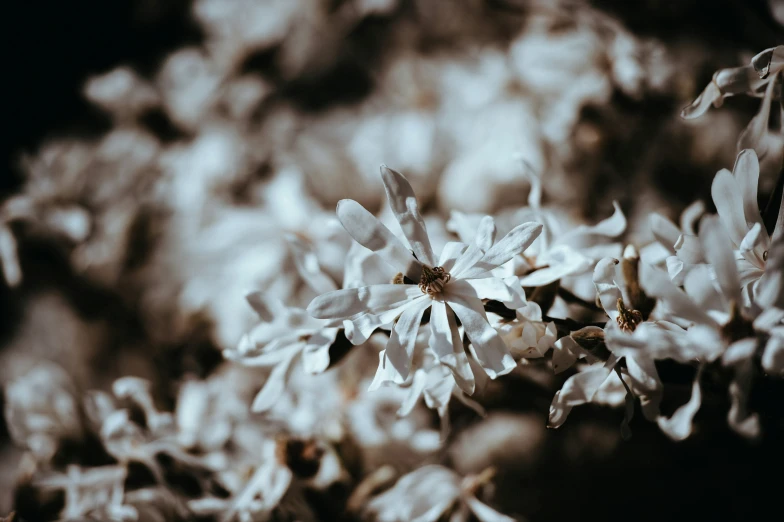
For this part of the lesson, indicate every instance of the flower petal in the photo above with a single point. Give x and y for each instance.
(613, 226)
(373, 235)
(578, 389)
(657, 284)
(746, 172)
(450, 253)
(467, 259)
(719, 254)
(679, 426)
(561, 261)
(315, 356)
(418, 383)
(700, 106)
(264, 307)
(773, 356)
(515, 242)
(727, 196)
(385, 374)
(753, 136)
(487, 288)
(349, 301)
(406, 209)
(491, 352)
(664, 231)
(565, 353)
(400, 347)
(445, 342)
(606, 288)
(485, 234)
(484, 512)
(274, 386)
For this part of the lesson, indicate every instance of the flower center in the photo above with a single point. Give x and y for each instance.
(628, 319)
(433, 280)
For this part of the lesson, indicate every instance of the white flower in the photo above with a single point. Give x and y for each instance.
(452, 285)
(735, 197)
(424, 495)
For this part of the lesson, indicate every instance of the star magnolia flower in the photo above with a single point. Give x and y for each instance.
(425, 494)
(735, 197)
(452, 285)
(719, 327)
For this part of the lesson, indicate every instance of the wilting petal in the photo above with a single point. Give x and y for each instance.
(445, 342)
(664, 231)
(450, 253)
(606, 289)
(613, 226)
(728, 198)
(690, 216)
(718, 252)
(484, 512)
(578, 389)
(515, 242)
(485, 234)
(349, 301)
(490, 350)
(373, 235)
(274, 386)
(406, 209)
(657, 284)
(565, 353)
(700, 106)
(400, 347)
(679, 426)
(739, 417)
(315, 356)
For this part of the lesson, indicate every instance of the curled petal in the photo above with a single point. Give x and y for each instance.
(710, 95)
(679, 426)
(606, 288)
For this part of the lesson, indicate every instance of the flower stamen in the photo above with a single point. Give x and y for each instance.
(628, 319)
(433, 280)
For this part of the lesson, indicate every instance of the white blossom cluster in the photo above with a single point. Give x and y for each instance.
(360, 325)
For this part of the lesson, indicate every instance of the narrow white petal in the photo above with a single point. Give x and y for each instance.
(746, 171)
(400, 347)
(561, 261)
(613, 226)
(446, 344)
(770, 292)
(349, 301)
(359, 327)
(274, 386)
(728, 198)
(690, 216)
(512, 244)
(606, 288)
(700, 106)
(664, 231)
(484, 512)
(718, 252)
(373, 235)
(418, 383)
(485, 234)
(488, 288)
(385, 374)
(657, 284)
(773, 356)
(753, 136)
(264, 307)
(406, 209)
(450, 253)
(467, 259)
(490, 349)
(315, 356)
(578, 389)
(565, 352)
(679, 426)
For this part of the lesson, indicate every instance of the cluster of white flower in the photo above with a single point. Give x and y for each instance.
(315, 414)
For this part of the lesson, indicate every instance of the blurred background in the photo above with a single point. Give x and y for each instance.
(158, 153)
